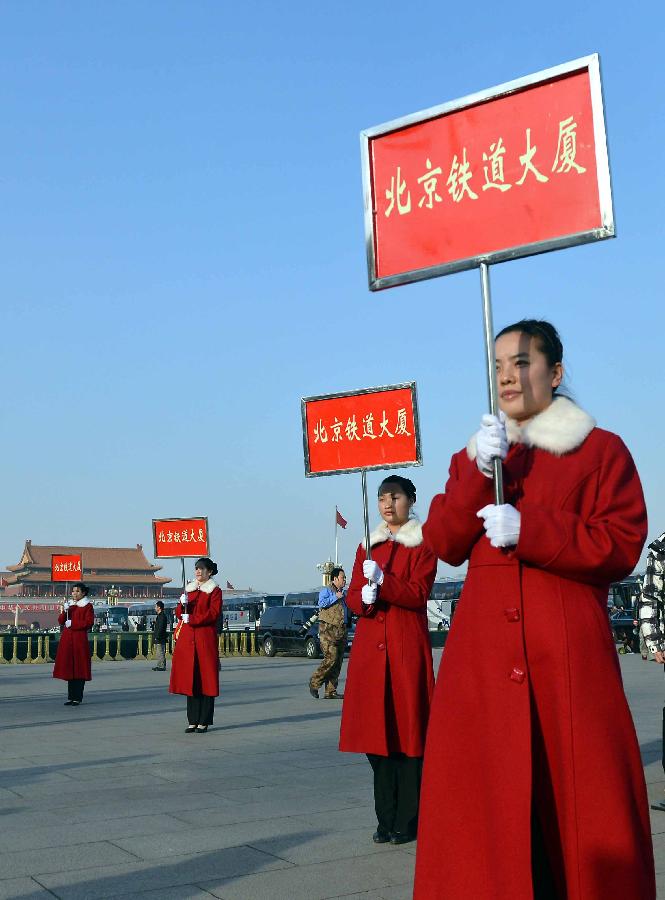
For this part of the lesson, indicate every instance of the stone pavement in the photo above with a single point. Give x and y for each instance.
(112, 799)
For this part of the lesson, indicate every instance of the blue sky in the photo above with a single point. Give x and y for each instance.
(181, 237)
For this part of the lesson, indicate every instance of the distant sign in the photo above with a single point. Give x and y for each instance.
(65, 567)
(518, 169)
(174, 538)
(374, 428)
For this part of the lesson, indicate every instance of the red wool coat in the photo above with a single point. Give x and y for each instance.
(195, 667)
(529, 707)
(390, 679)
(72, 658)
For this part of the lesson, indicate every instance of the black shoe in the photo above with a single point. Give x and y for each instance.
(400, 837)
(158, 669)
(201, 729)
(76, 702)
(190, 729)
(69, 703)
(334, 696)
(380, 836)
(314, 692)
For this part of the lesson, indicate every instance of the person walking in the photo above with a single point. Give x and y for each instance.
(195, 663)
(159, 637)
(532, 772)
(332, 636)
(72, 658)
(390, 678)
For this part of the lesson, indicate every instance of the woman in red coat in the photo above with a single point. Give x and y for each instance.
(533, 785)
(195, 666)
(390, 678)
(72, 658)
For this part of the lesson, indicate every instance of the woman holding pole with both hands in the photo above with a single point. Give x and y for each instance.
(390, 677)
(195, 665)
(533, 785)
(72, 658)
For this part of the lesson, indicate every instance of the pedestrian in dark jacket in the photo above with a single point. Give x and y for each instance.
(159, 637)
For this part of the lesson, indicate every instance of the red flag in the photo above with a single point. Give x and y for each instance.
(341, 521)
(229, 586)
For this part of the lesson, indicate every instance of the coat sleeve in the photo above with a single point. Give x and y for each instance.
(207, 613)
(62, 618)
(353, 596)
(412, 592)
(452, 527)
(600, 547)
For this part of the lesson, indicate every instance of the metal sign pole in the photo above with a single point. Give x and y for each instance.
(366, 513)
(490, 359)
(184, 582)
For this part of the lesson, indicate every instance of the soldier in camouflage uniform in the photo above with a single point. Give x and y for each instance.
(651, 605)
(651, 613)
(332, 636)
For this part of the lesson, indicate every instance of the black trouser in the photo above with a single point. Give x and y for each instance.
(200, 710)
(75, 689)
(396, 791)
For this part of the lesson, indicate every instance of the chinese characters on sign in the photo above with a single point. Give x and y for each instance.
(370, 429)
(498, 174)
(65, 567)
(180, 537)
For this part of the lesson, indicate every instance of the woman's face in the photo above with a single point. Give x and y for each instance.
(77, 594)
(202, 574)
(525, 379)
(394, 506)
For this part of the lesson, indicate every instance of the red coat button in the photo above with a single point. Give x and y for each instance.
(513, 615)
(380, 618)
(381, 646)
(517, 675)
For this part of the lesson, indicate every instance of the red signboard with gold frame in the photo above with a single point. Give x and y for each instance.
(518, 169)
(373, 428)
(178, 538)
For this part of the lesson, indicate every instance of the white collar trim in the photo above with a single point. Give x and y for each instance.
(82, 602)
(207, 586)
(409, 535)
(559, 429)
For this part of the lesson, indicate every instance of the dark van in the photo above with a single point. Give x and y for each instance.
(282, 628)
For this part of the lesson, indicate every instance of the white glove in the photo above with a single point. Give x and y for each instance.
(68, 623)
(491, 442)
(502, 524)
(185, 618)
(183, 597)
(372, 572)
(368, 594)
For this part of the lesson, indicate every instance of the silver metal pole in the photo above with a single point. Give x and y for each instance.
(490, 359)
(366, 513)
(184, 582)
(336, 536)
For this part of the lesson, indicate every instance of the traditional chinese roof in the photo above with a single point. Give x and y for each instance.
(128, 565)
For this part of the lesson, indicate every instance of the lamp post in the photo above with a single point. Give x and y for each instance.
(326, 571)
(113, 595)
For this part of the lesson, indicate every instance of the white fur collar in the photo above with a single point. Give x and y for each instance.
(82, 602)
(410, 534)
(560, 428)
(207, 587)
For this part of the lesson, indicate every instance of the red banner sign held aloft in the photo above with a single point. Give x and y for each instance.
(376, 428)
(180, 538)
(66, 567)
(518, 169)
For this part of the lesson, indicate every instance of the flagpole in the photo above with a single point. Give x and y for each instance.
(336, 524)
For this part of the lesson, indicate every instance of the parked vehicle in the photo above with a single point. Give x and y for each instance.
(282, 628)
(625, 631)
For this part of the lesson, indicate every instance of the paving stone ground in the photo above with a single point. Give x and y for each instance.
(112, 799)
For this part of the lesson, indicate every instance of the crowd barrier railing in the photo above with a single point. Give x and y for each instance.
(115, 646)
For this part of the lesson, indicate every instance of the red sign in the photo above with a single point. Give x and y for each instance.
(516, 170)
(376, 428)
(180, 537)
(65, 567)
(29, 607)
